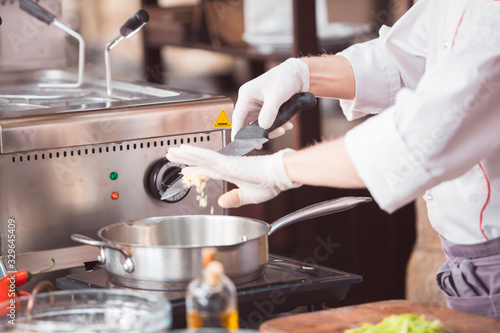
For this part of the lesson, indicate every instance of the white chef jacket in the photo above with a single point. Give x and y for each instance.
(436, 76)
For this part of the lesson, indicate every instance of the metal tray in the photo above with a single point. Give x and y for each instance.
(35, 118)
(20, 92)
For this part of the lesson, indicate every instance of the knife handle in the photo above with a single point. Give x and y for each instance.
(298, 102)
(37, 11)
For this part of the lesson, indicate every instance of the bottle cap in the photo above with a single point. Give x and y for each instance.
(208, 254)
(213, 272)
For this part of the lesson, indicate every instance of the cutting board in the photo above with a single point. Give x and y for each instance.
(338, 319)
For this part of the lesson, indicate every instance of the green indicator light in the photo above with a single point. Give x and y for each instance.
(113, 176)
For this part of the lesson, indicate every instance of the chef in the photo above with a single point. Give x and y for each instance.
(433, 80)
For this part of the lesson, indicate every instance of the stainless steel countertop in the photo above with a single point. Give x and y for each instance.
(138, 111)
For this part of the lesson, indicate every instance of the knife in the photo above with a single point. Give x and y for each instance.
(252, 136)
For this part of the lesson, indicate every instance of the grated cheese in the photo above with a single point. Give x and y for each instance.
(199, 182)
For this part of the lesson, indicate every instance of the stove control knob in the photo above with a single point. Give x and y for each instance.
(163, 174)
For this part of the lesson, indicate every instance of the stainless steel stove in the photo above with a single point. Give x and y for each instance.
(286, 286)
(75, 168)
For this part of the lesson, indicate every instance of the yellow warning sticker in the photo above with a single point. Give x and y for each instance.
(222, 120)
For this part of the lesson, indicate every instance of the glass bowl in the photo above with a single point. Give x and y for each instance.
(89, 310)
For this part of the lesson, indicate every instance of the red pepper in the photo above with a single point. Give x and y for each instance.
(18, 278)
(21, 277)
(6, 292)
(8, 288)
(7, 295)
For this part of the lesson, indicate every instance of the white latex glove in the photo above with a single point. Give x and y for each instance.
(259, 178)
(261, 97)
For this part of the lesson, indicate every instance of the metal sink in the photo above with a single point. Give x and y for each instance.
(20, 94)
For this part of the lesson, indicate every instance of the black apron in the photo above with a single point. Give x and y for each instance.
(470, 277)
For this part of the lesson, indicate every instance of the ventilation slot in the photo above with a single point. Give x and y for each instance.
(102, 150)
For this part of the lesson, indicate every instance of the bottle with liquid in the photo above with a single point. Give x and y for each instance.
(211, 299)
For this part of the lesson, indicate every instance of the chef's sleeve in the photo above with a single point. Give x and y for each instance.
(381, 70)
(442, 128)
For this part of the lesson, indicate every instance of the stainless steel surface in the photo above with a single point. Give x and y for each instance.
(55, 161)
(6, 109)
(128, 265)
(55, 192)
(166, 251)
(241, 147)
(65, 258)
(320, 209)
(174, 189)
(27, 92)
(119, 120)
(107, 63)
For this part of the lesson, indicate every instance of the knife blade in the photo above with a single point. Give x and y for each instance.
(252, 136)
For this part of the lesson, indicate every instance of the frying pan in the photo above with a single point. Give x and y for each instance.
(164, 253)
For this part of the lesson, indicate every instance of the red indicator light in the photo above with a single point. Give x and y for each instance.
(115, 195)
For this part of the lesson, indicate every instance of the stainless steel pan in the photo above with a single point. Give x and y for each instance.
(164, 253)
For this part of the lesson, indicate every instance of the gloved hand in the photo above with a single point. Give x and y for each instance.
(261, 97)
(259, 178)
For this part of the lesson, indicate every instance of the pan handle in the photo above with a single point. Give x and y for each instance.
(128, 264)
(317, 210)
